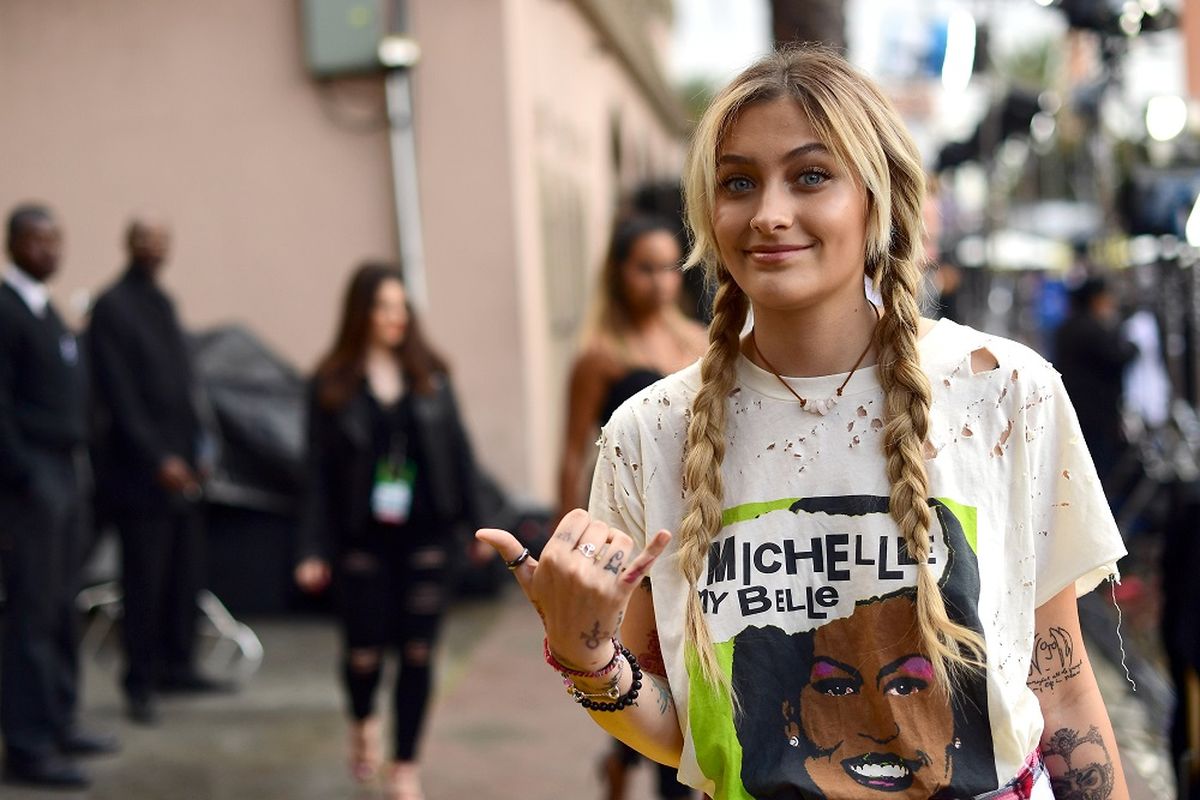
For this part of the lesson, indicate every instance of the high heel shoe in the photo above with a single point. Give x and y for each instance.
(366, 749)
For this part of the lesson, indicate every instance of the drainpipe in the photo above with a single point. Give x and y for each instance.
(399, 53)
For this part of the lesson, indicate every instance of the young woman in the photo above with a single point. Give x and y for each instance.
(880, 524)
(390, 468)
(635, 336)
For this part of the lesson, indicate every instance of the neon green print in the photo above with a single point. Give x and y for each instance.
(748, 511)
(718, 751)
(967, 517)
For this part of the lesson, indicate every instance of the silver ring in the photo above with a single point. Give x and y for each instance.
(518, 561)
(587, 549)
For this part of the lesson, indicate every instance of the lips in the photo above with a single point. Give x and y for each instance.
(885, 772)
(774, 254)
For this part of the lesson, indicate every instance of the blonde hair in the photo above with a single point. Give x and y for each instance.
(852, 117)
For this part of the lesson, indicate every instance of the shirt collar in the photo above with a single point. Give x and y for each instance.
(32, 292)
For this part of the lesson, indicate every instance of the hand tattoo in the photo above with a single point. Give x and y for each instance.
(614, 562)
(1054, 660)
(1080, 766)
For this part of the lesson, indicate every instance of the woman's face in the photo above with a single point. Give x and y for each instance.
(870, 708)
(650, 277)
(790, 221)
(389, 315)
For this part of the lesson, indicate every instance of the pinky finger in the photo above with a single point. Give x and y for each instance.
(645, 559)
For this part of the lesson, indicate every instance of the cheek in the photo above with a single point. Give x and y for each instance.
(728, 225)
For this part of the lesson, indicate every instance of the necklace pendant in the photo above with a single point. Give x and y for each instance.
(821, 407)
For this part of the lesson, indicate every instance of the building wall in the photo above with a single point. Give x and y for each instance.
(204, 113)
(276, 185)
(522, 97)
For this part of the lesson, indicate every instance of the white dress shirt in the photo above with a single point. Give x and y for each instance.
(32, 292)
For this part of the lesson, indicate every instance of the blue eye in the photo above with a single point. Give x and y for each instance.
(738, 184)
(813, 178)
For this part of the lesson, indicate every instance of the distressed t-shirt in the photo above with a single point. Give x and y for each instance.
(809, 591)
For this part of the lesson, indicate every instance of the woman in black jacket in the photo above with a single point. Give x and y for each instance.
(390, 478)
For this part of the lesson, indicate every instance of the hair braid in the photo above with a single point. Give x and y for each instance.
(952, 647)
(702, 463)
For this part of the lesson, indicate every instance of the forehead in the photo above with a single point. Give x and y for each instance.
(36, 227)
(768, 128)
(876, 633)
(390, 290)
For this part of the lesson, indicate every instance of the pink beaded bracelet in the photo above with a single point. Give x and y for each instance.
(600, 673)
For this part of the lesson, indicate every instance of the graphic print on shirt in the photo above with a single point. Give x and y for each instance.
(813, 606)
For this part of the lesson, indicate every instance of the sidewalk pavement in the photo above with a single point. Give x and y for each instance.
(501, 727)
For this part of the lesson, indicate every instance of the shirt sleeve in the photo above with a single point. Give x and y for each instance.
(617, 493)
(1076, 540)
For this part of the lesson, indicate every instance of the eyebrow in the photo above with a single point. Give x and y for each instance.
(892, 666)
(833, 662)
(802, 150)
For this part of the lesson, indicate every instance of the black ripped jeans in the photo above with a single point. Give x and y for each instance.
(392, 593)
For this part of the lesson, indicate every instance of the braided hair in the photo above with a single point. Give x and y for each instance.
(853, 118)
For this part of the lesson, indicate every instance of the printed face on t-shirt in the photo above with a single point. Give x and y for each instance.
(870, 708)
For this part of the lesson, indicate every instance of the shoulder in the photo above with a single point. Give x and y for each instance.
(107, 304)
(961, 348)
(664, 404)
(599, 357)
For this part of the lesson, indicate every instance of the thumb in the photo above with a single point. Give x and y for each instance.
(509, 549)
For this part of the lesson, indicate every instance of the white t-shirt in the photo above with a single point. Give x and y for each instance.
(808, 591)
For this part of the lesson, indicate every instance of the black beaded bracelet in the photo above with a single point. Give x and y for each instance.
(625, 700)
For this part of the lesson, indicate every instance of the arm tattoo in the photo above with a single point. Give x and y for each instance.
(1080, 766)
(614, 562)
(596, 637)
(1054, 660)
(665, 701)
(651, 659)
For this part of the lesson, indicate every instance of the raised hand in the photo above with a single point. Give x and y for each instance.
(581, 584)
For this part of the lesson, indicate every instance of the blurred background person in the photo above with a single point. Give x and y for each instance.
(148, 478)
(635, 335)
(1092, 353)
(391, 476)
(43, 425)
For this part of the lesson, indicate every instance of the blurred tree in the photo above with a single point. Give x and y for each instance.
(809, 21)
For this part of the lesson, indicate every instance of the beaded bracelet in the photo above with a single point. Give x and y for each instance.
(625, 700)
(600, 673)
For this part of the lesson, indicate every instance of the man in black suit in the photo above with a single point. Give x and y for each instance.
(43, 425)
(147, 470)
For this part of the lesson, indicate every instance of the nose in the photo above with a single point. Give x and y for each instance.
(774, 212)
(879, 726)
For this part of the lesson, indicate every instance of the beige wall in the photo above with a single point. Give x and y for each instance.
(204, 112)
(277, 185)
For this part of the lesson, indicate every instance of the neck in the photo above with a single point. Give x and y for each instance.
(377, 353)
(826, 340)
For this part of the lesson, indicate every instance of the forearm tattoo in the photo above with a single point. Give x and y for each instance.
(663, 693)
(1054, 660)
(1080, 766)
